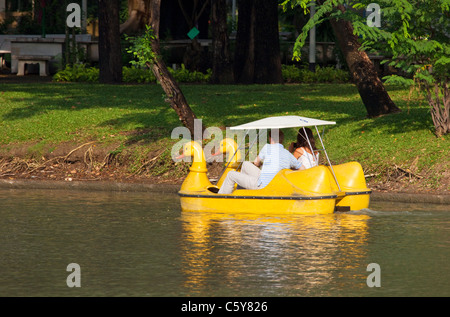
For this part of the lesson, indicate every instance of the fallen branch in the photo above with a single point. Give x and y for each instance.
(110, 156)
(407, 172)
(147, 164)
(70, 153)
(89, 153)
(3, 175)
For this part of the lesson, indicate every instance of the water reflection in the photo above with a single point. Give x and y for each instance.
(294, 255)
(141, 244)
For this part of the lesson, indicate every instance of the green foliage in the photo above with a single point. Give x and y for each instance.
(319, 16)
(137, 75)
(77, 73)
(413, 35)
(185, 76)
(84, 73)
(293, 74)
(141, 48)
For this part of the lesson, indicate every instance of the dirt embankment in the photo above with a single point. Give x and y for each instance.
(92, 162)
(407, 179)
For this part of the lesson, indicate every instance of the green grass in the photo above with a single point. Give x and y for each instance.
(47, 114)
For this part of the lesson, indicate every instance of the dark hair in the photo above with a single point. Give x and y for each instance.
(302, 141)
(275, 133)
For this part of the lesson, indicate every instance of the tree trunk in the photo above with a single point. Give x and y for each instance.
(138, 16)
(373, 94)
(257, 55)
(195, 56)
(244, 60)
(267, 44)
(173, 92)
(110, 54)
(222, 72)
(439, 100)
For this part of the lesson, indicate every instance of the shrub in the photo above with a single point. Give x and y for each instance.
(331, 75)
(183, 75)
(83, 73)
(137, 75)
(77, 73)
(293, 74)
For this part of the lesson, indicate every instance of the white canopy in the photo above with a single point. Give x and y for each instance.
(281, 123)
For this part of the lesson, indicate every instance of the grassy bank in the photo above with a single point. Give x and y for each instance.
(94, 131)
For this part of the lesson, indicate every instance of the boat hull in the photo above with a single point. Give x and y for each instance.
(312, 191)
(352, 191)
(258, 204)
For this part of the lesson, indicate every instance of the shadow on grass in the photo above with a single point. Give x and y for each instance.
(145, 115)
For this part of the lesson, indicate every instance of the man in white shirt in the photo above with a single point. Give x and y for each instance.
(275, 158)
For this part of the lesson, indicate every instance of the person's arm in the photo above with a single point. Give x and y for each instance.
(296, 164)
(262, 154)
(298, 152)
(257, 161)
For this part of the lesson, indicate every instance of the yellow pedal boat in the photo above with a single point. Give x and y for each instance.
(317, 190)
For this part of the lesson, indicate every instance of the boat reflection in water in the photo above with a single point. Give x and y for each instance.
(297, 255)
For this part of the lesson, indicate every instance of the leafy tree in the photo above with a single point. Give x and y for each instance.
(415, 36)
(372, 91)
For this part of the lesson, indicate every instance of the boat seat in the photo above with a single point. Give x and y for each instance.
(213, 189)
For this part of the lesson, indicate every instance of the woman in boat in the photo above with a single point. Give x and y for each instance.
(302, 148)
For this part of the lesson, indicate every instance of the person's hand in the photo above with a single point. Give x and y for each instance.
(257, 161)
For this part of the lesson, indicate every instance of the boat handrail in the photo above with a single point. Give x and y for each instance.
(328, 159)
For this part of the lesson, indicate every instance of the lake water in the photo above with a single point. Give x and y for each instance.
(141, 244)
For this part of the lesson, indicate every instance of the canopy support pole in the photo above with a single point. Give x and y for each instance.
(234, 154)
(249, 148)
(311, 148)
(326, 155)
